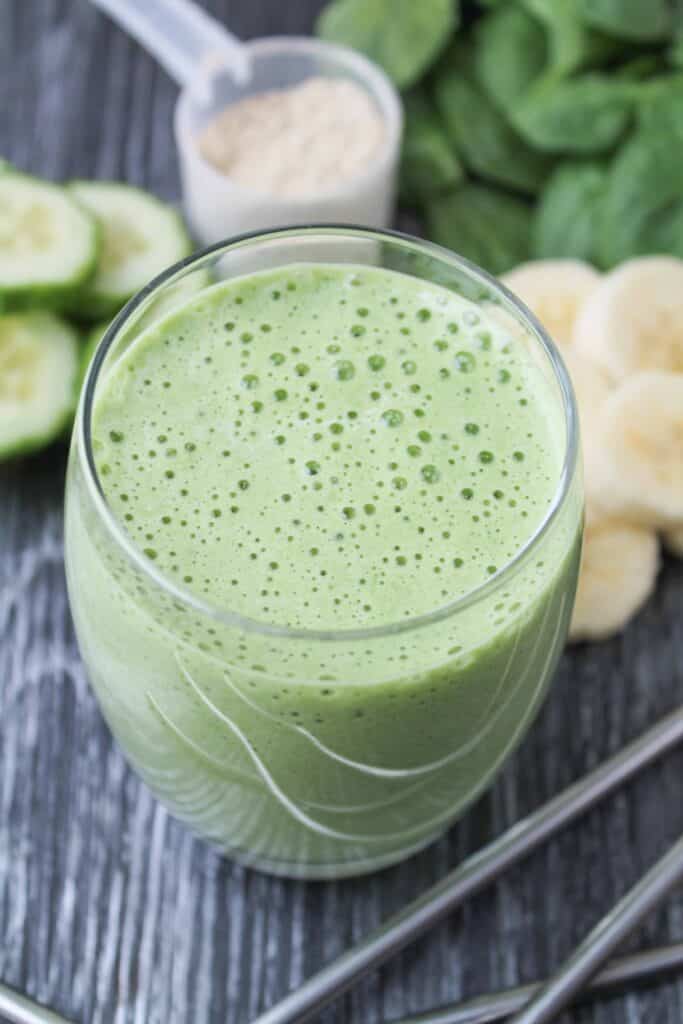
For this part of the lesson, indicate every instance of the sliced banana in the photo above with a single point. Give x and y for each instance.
(640, 450)
(554, 290)
(633, 319)
(673, 541)
(618, 571)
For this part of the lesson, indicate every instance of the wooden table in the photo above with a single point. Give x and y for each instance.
(110, 911)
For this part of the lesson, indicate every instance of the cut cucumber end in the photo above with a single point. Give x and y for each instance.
(39, 376)
(142, 236)
(49, 244)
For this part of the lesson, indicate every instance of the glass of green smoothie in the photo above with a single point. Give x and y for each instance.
(323, 527)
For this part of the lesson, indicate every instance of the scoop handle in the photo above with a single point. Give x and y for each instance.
(189, 43)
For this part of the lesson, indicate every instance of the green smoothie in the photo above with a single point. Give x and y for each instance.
(319, 461)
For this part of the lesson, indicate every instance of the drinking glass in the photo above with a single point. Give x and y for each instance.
(306, 752)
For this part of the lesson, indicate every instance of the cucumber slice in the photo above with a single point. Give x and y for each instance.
(141, 237)
(48, 243)
(39, 366)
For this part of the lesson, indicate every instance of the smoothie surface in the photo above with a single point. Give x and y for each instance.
(327, 446)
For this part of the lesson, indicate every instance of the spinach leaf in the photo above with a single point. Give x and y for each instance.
(567, 217)
(510, 51)
(660, 102)
(404, 36)
(487, 144)
(629, 19)
(572, 44)
(428, 161)
(587, 114)
(639, 68)
(643, 205)
(483, 224)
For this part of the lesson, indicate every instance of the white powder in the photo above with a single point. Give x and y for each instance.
(298, 141)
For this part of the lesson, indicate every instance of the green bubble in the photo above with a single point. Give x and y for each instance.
(345, 369)
(465, 361)
(376, 362)
(393, 417)
(430, 474)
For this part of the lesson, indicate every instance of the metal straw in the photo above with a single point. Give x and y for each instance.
(18, 1009)
(475, 873)
(629, 970)
(604, 939)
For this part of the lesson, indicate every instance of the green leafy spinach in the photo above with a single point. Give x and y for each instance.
(404, 36)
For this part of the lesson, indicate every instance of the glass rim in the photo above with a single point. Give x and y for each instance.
(187, 597)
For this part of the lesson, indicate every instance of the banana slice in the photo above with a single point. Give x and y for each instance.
(592, 388)
(640, 450)
(673, 541)
(554, 290)
(618, 571)
(633, 320)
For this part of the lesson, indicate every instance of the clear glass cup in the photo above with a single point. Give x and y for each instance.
(303, 752)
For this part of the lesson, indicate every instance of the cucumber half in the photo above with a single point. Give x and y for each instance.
(141, 237)
(48, 243)
(39, 371)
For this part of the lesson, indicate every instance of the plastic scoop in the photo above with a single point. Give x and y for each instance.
(191, 45)
(214, 70)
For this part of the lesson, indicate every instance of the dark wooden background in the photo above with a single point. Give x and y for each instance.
(112, 912)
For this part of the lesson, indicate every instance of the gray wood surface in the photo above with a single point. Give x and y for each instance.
(112, 912)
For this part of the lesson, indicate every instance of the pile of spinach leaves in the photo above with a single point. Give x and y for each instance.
(534, 128)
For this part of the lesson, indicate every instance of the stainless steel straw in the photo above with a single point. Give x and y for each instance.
(18, 1009)
(473, 874)
(629, 970)
(604, 939)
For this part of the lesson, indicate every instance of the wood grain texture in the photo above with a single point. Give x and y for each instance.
(112, 912)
